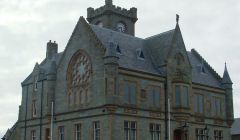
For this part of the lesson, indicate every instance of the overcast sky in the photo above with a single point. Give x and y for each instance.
(209, 26)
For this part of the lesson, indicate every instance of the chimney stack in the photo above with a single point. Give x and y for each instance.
(52, 48)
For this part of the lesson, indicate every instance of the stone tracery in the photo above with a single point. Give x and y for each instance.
(78, 79)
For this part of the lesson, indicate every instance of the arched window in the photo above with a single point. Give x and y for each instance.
(78, 78)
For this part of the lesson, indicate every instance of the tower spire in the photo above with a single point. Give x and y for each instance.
(226, 78)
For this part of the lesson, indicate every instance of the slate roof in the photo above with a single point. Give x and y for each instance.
(128, 58)
(45, 67)
(226, 78)
(158, 51)
(154, 55)
(235, 130)
(128, 45)
(199, 77)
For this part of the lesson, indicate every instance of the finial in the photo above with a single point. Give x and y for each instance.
(177, 18)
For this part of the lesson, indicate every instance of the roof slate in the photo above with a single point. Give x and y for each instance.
(235, 130)
(128, 45)
(155, 49)
(204, 78)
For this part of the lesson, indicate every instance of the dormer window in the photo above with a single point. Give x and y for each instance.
(203, 69)
(121, 27)
(118, 50)
(140, 54)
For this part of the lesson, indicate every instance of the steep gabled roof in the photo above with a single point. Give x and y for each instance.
(128, 45)
(210, 77)
(155, 50)
(158, 46)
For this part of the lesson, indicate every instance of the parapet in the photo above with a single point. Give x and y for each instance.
(108, 8)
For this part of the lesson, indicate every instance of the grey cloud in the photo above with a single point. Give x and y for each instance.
(211, 27)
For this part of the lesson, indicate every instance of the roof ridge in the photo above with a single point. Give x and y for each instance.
(219, 78)
(160, 34)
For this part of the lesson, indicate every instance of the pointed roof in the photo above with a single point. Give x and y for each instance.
(210, 77)
(128, 45)
(226, 78)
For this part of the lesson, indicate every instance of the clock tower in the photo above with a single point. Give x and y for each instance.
(113, 17)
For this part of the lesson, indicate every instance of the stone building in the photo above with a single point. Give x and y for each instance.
(110, 85)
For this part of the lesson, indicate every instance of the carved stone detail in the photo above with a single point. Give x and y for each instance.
(78, 79)
(130, 111)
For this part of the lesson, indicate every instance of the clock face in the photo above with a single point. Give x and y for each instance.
(121, 27)
(79, 70)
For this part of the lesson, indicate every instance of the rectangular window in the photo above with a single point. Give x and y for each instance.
(61, 133)
(130, 128)
(201, 134)
(155, 96)
(181, 96)
(218, 135)
(177, 96)
(217, 106)
(130, 92)
(33, 135)
(133, 93)
(77, 132)
(185, 101)
(155, 131)
(198, 103)
(96, 130)
(34, 110)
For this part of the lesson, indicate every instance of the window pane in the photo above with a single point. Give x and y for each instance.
(218, 107)
(177, 95)
(133, 125)
(185, 96)
(195, 103)
(77, 132)
(133, 93)
(133, 135)
(157, 96)
(151, 97)
(126, 92)
(200, 104)
(97, 130)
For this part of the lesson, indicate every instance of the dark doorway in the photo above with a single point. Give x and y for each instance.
(177, 134)
(47, 134)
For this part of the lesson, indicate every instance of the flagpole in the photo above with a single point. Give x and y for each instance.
(52, 123)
